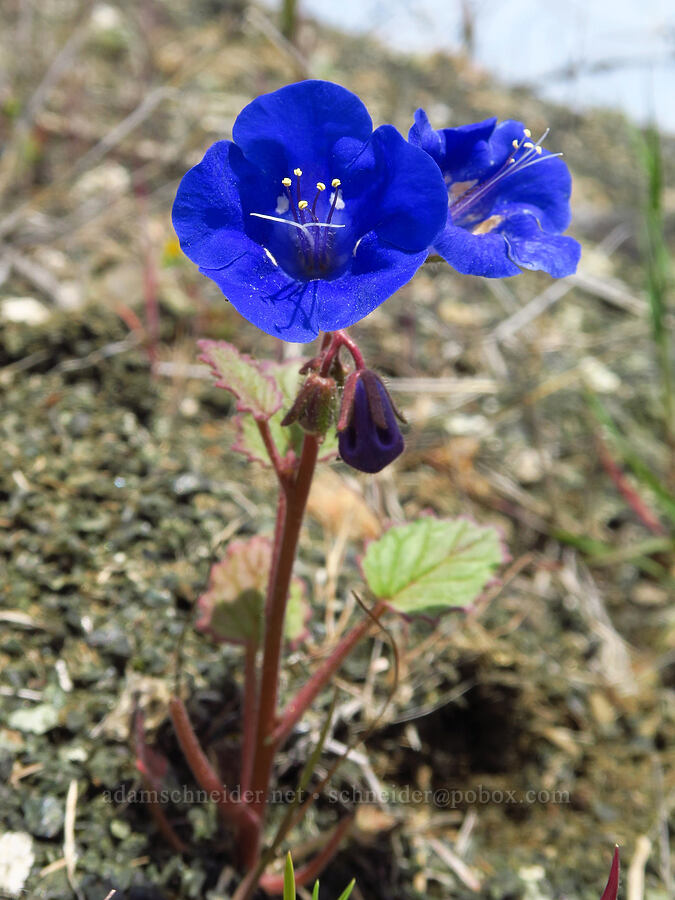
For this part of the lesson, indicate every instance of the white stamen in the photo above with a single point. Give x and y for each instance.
(296, 224)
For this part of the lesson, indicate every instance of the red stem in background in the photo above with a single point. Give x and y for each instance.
(630, 495)
(274, 884)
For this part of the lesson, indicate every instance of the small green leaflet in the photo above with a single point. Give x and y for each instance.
(289, 879)
(432, 564)
(287, 379)
(256, 392)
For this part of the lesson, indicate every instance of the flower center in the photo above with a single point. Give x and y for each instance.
(464, 198)
(306, 245)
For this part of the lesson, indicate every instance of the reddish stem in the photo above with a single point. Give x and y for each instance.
(308, 693)
(634, 500)
(274, 884)
(202, 770)
(281, 466)
(341, 339)
(163, 825)
(294, 502)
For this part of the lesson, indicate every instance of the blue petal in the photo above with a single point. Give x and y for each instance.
(269, 298)
(533, 248)
(207, 212)
(466, 150)
(544, 186)
(423, 135)
(295, 310)
(475, 254)
(378, 270)
(393, 188)
(413, 207)
(298, 125)
(501, 141)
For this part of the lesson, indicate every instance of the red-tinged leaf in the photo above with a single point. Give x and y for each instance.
(256, 392)
(232, 609)
(612, 888)
(286, 376)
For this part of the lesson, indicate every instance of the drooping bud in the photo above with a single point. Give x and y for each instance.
(368, 434)
(314, 407)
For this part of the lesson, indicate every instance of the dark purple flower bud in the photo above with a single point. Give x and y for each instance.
(368, 434)
(314, 407)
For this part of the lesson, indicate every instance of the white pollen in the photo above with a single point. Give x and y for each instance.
(282, 205)
(339, 203)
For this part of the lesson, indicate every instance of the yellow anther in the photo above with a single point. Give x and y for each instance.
(528, 144)
(538, 148)
(510, 160)
(297, 172)
(335, 183)
(527, 132)
(320, 186)
(515, 144)
(303, 204)
(286, 182)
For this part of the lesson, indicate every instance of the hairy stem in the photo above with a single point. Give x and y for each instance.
(201, 768)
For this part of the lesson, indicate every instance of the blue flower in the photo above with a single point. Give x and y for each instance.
(309, 219)
(368, 434)
(508, 199)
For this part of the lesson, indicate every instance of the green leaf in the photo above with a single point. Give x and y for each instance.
(347, 891)
(432, 564)
(256, 391)
(289, 878)
(232, 608)
(315, 892)
(287, 379)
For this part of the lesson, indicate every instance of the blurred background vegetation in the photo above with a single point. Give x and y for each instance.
(543, 407)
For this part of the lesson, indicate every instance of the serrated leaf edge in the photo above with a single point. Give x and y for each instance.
(242, 407)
